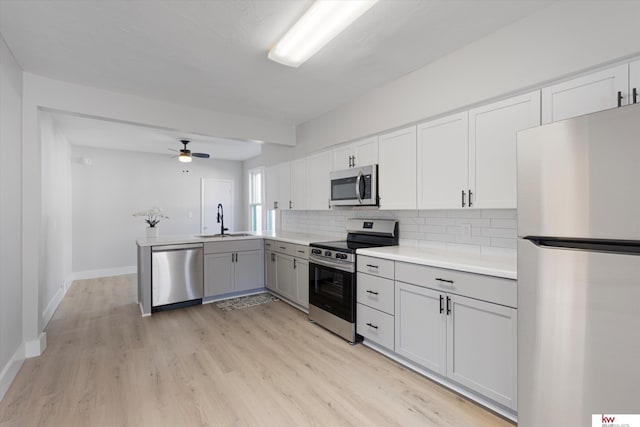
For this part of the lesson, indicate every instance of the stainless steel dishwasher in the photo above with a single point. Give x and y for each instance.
(177, 275)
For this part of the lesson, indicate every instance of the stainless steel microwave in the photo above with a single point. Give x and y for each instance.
(356, 186)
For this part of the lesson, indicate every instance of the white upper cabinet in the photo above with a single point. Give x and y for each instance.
(492, 149)
(284, 185)
(443, 162)
(587, 94)
(397, 169)
(318, 188)
(634, 82)
(359, 153)
(271, 176)
(299, 184)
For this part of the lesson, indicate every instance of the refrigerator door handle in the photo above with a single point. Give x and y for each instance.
(630, 247)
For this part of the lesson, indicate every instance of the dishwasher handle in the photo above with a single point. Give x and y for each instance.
(167, 248)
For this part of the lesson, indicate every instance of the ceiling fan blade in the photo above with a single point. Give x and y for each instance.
(201, 155)
(174, 150)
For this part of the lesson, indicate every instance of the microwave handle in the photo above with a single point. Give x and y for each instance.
(358, 179)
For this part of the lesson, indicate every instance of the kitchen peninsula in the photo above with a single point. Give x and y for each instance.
(226, 266)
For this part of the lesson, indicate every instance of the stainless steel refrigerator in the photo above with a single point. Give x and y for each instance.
(579, 269)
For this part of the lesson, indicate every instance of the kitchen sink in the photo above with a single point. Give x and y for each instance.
(224, 235)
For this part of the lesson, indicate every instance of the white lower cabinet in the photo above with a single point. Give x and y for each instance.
(374, 325)
(481, 348)
(233, 267)
(421, 327)
(375, 308)
(466, 340)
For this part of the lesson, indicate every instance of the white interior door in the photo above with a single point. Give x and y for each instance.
(216, 191)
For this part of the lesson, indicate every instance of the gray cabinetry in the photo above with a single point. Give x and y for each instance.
(287, 271)
(233, 266)
(459, 325)
(375, 301)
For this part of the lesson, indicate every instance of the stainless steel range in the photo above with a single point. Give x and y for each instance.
(332, 274)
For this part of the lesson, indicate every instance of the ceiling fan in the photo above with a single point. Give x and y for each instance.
(186, 155)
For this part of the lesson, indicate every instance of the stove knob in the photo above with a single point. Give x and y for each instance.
(316, 251)
(327, 253)
(341, 256)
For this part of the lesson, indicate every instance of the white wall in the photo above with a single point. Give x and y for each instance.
(564, 38)
(11, 346)
(118, 183)
(55, 225)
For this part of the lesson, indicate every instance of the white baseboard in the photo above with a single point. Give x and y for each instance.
(105, 272)
(35, 347)
(10, 370)
(51, 308)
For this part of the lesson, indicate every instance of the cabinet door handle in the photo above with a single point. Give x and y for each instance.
(372, 266)
(273, 257)
(619, 99)
(372, 325)
(441, 304)
(275, 205)
(233, 257)
(294, 263)
(448, 305)
(372, 292)
(635, 95)
(290, 205)
(470, 201)
(444, 280)
(354, 161)
(462, 201)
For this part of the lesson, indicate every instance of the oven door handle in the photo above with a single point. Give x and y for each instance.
(348, 268)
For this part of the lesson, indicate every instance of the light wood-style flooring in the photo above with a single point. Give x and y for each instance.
(105, 365)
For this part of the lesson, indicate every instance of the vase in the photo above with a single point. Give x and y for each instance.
(153, 232)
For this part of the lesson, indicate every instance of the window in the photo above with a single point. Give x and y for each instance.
(256, 199)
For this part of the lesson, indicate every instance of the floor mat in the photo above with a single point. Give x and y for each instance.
(244, 302)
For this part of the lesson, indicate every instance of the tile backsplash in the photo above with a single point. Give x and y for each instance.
(479, 231)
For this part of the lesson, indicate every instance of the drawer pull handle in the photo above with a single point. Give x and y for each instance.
(444, 280)
(300, 252)
(372, 266)
(372, 292)
(284, 248)
(372, 325)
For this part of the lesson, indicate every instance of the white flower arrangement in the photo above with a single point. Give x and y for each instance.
(153, 216)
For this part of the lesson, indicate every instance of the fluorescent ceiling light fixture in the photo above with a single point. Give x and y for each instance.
(324, 20)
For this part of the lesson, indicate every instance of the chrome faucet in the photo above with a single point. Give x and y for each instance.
(221, 219)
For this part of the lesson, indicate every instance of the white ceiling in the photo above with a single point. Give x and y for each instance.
(213, 54)
(97, 133)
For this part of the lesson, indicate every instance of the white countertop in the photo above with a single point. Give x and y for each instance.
(480, 264)
(296, 238)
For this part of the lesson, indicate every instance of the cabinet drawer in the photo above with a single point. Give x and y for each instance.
(376, 266)
(232, 245)
(376, 292)
(375, 325)
(301, 251)
(487, 288)
(283, 247)
(270, 244)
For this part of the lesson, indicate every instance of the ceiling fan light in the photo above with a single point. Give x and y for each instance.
(323, 21)
(184, 158)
